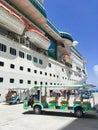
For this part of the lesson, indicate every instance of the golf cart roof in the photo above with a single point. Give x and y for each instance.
(67, 86)
(13, 88)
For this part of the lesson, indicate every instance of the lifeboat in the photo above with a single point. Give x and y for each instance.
(10, 20)
(38, 39)
(67, 58)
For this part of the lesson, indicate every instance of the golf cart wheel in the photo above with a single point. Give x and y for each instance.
(79, 112)
(37, 110)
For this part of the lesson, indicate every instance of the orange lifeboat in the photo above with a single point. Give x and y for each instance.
(67, 58)
(38, 39)
(10, 20)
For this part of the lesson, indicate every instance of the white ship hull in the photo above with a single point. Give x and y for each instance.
(27, 73)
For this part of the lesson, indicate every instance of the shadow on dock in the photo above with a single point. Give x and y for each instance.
(62, 114)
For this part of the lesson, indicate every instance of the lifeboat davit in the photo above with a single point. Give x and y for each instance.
(38, 39)
(10, 20)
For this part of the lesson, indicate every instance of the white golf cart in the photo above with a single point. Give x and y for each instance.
(59, 98)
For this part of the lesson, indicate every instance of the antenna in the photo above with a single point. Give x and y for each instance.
(41, 1)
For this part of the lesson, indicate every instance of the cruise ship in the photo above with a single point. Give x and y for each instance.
(33, 51)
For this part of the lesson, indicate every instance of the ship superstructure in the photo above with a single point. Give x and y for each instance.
(33, 51)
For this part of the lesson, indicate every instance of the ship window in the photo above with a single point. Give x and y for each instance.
(35, 82)
(46, 83)
(1, 63)
(21, 54)
(12, 51)
(35, 71)
(21, 81)
(12, 66)
(29, 57)
(49, 64)
(62, 70)
(54, 75)
(83, 71)
(40, 61)
(29, 82)
(57, 76)
(1, 79)
(45, 73)
(21, 67)
(40, 72)
(2, 47)
(35, 59)
(28, 69)
(79, 69)
(50, 75)
(41, 83)
(11, 80)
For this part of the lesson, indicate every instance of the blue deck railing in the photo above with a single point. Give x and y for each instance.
(53, 27)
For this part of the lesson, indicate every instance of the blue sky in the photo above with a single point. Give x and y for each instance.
(80, 19)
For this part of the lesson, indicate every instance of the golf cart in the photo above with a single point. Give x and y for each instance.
(16, 95)
(58, 98)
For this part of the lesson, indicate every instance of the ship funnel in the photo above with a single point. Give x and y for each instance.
(41, 1)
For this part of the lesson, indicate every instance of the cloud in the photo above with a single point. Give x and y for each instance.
(95, 68)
